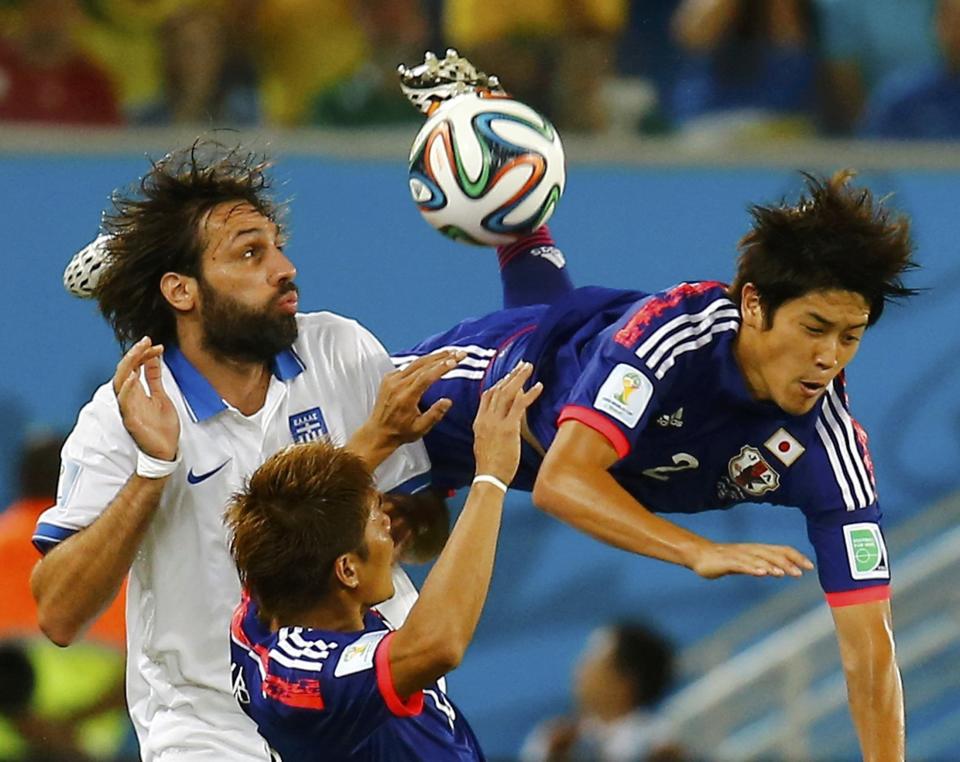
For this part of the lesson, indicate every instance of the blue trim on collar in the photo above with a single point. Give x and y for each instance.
(287, 365)
(200, 396)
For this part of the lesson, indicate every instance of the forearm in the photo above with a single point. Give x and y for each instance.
(442, 622)
(456, 588)
(875, 695)
(868, 654)
(596, 504)
(76, 580)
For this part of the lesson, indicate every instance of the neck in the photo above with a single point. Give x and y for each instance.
(745, 352)
(242, 384)
(336, 613)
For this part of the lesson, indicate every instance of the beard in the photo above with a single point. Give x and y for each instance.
(234, 330)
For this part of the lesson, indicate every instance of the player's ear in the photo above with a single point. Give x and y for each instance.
(179, 290)
(751, 309)
(346, 571)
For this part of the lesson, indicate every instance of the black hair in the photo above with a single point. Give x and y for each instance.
(155, 229)
(836, 237)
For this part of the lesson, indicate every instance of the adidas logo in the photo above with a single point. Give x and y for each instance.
(550, 253)
(671, 419)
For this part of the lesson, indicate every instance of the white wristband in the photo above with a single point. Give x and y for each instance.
(153, 468)
(490, 480)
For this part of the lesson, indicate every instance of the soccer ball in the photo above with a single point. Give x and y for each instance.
(486, 169)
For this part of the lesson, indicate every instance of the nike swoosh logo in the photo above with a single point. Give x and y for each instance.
(197, 478)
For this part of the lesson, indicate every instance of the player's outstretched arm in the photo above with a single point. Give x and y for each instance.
(396, 418)
(79, 578)
(874, 690)
(574, 484)
(442, 622)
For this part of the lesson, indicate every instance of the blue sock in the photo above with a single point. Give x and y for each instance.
(533, 270)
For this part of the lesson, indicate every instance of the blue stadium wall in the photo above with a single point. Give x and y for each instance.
(362, 250)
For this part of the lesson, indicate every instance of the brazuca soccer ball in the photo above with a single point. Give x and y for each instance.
(486, 169)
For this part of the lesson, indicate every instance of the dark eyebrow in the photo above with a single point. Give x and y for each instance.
(830, 324)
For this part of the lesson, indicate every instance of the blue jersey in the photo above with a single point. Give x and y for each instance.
(321, 695)
(656, 375)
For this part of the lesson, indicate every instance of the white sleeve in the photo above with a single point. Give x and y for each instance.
(96, 461)
(408, 469)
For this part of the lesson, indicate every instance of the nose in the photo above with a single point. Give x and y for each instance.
(827, 354)
(283, 269)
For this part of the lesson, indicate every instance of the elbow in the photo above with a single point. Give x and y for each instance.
(541, 494)
(547, 490)
(57, 632)
(445, 648)
(50, 618)
(447, 657)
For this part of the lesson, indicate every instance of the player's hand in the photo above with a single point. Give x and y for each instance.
(756, 559)
(396, 416)
(148, 415)
(496, 429)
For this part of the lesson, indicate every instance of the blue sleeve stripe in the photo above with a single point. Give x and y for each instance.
(48, 536)
(413, 485)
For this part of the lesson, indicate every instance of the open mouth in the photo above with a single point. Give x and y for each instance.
(812, 388)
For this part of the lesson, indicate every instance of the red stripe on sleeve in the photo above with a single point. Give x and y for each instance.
(863, 595)
(599, 423)
(400, 708)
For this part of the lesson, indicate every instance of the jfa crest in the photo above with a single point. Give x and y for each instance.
(752, 473)
(307, 425)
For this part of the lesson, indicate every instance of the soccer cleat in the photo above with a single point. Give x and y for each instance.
(436, 80)
(84, 271)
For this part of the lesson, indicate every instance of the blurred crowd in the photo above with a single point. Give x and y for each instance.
(702, 69)
(56, 704)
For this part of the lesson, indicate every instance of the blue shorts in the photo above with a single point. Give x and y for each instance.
(494, 344)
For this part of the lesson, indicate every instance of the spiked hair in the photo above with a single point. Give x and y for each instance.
(835, 237)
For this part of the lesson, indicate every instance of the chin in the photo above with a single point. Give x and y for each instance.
(799, 408)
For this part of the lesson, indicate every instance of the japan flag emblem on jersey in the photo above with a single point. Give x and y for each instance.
(784, 447)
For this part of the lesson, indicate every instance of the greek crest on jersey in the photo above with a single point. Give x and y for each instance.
(307, 425)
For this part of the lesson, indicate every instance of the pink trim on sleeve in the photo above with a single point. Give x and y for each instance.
(863, 595)
(400, 708)
(598, 423)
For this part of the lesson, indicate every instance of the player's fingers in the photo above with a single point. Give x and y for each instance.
(130, 360)
(796, 557)
(432, 416)
(153, 372)
(745, 564)
(502, 392)
(484, 402)
(775, 556)
(128, 388)
(425, 370)
(525, 399)
(513, 382)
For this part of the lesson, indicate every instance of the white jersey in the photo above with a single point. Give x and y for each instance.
(183, 585)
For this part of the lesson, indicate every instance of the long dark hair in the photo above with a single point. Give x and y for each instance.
(155, 229)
